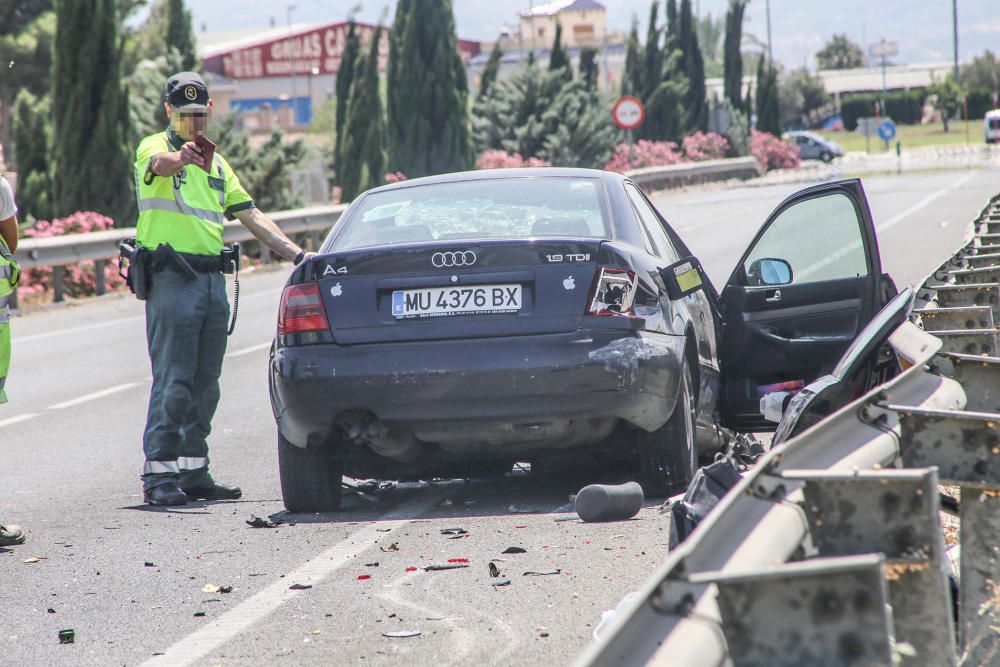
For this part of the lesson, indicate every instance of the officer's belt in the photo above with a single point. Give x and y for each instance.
(203, 263)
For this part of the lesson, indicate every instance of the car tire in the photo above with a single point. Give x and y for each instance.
(668, 456)
(311, 478)
(826, 156)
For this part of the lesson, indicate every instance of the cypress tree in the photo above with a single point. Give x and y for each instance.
(363, 148)
(694, 69)
(588, 67)
(673, 25)
(428, 112)
(91, 163)
(31, 145)
(489, 75)
(632, 81)
(558, 58)
(652, 56)
(732, 58)
(345, 76)
(768, 114)
(179, 35)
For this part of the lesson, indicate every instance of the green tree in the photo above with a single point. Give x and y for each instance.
(265, 172)
(666, 119)
(489, 75)
(31, 143)
(588, 66)
(694, 69)
(632, 80)
(840, 53)
(652, 66)
(802, 99)
(710, 31)
(948, 99)
(91, 162)
(145, 85)
(428, 119)
(558, 58)
(363, 148)
(345, 78)
(732, 56)
(179, 35)
(982, 72)
(147, 40)
(27, 65)
(673, 24)
(541, 113)
(768, 111)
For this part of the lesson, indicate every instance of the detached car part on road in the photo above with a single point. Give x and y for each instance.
(452, 325)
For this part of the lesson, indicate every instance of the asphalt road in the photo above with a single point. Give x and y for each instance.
(130, 580)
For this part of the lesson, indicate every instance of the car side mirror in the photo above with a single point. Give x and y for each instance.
(683, 278)
(768, 272)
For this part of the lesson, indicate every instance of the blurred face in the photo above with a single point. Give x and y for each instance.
(187, 124)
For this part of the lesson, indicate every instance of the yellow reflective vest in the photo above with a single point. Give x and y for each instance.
(186, 210)
(10, 273)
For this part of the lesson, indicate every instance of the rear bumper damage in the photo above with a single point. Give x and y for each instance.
(473, 396)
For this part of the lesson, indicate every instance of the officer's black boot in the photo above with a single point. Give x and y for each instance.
(165, 494)
(213, 491)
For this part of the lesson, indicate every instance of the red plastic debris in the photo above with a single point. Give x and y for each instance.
(458, 560)
(364, 577)
(411, 569)
(520, 526)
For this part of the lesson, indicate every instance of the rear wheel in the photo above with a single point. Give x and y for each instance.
(668, 456)
(311, 477)
(826, 156)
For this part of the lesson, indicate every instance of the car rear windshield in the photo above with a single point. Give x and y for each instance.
(500, 208)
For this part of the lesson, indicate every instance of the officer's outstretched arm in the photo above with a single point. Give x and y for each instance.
(268, 233)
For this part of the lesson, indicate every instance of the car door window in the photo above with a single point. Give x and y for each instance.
(651, 222)
(819, 238)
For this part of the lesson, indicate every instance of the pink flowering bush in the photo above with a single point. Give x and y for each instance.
(396, 177)
(705, 146)
(772, 152)
(644, 154)
(80, 279)
(502, 160)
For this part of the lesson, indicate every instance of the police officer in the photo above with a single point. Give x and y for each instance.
(182, 202)
(9, 273)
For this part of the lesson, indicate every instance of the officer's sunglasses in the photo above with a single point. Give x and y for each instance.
(193, 114)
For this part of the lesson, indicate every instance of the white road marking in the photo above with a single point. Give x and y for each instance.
(18, 419)
(240, 618)
(898, 218)
(249, 350)
(94, 396)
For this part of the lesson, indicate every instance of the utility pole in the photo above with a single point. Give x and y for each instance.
(770, 52)
(954, 25)
(291, 51)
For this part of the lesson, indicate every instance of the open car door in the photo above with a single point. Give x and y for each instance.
(809, 283)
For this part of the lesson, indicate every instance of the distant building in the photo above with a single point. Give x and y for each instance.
(281, 76)
(584, 23)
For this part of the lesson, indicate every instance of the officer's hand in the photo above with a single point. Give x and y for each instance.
(191, 154)
(308, 255)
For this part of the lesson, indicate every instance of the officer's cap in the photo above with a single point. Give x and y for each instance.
(187, 90)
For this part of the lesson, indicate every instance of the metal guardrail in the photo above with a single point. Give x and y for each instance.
(830, 551)
(101, 247)
(655, 178)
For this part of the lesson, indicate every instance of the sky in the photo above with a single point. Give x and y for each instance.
(923, 28)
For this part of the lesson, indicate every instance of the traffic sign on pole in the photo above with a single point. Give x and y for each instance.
(887, 129)
(628, 112)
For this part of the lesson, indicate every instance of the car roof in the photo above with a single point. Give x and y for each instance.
(487, 174)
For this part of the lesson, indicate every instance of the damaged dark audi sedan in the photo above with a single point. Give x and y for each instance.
(453, 325)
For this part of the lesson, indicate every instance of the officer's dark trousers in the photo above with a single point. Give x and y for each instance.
(186, 325)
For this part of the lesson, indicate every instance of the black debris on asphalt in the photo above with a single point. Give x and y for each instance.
(494, 570)
(299, 587)
(261, 522)
(454, 531)
(500, 582)
(402, 634)
(543, 573)
(514, 550)
(392, 547)
(67, 636)
(447, 566)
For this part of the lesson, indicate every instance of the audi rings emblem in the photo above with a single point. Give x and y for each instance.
(463, 258)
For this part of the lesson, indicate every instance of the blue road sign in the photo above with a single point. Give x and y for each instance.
(887, 130)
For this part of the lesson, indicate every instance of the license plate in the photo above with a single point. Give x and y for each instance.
(445, 301)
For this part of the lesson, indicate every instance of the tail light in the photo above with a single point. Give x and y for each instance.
(301, 310)
(613, 293)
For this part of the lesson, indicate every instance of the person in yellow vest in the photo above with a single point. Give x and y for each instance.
(9, 275)
(183, 200)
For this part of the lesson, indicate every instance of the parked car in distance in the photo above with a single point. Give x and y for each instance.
(814, 147)
(991, 126)
(451, 326)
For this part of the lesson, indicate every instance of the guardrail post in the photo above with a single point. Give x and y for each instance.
(903, 523)
(265, 254)
(966, 448)
(825, 612)
(102, 283)
(315, 240)
(58, 273)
